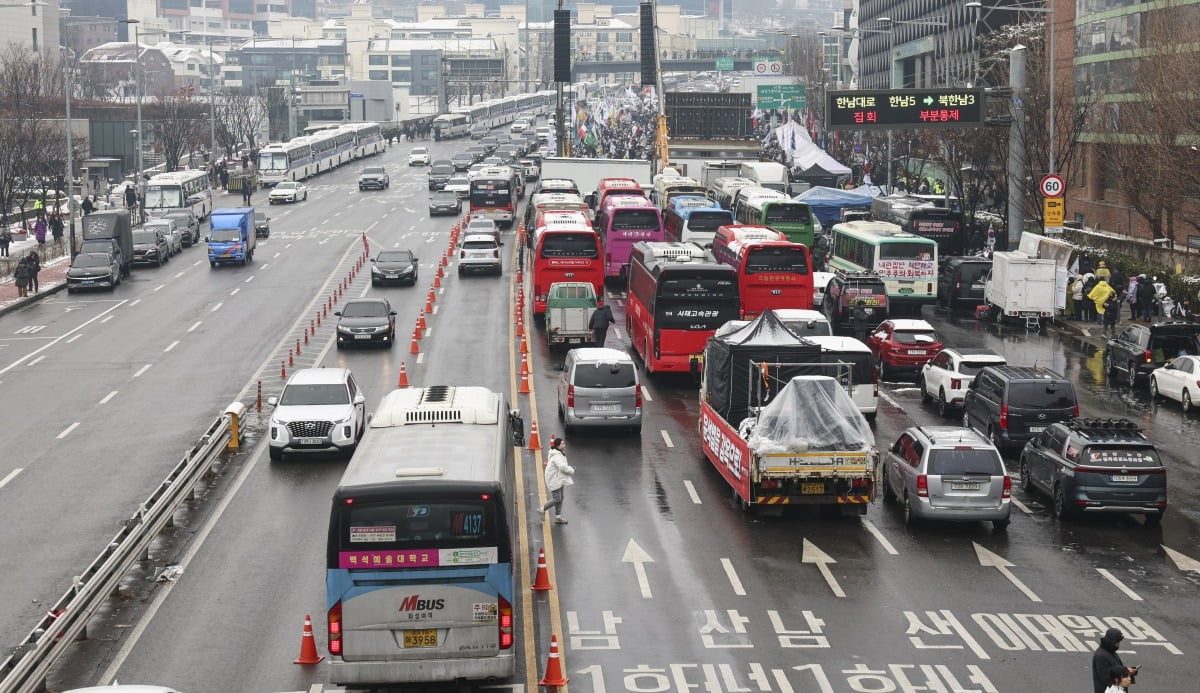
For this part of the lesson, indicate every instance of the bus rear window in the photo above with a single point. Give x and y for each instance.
(774, 259)
(708, 221)
(570, 245)
(634, 219)
(786, 212)
(402, 525)
(905, 251)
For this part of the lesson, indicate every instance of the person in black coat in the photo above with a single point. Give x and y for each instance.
(1145, 298)
(1105, 659)
(602, 317)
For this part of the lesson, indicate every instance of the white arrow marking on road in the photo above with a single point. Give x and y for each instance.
(71, 308)
(692, 491)
(988, 559)
(11, 475)
(1182, 561)
(1119, 585)
(639, 558)
(809, 553)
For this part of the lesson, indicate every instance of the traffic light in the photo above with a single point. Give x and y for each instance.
(562, 46)
(649, 53)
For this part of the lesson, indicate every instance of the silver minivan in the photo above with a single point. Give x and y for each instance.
(599, 387)
(947, 473)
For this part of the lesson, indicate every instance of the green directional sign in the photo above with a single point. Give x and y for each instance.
(724, 65)
(790, 96)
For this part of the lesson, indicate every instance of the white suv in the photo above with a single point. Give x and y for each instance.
(320, 409)
(945, 378)
(479, 253)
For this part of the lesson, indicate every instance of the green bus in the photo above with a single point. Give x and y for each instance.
(774, 209)
(907, 263)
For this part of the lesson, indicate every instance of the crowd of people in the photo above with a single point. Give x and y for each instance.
(615, 127)
(1096, 295)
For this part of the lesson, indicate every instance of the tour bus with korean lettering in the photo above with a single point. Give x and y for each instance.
(769, 208)
(678, 297)
(772, 272)
(565, 249)
(420, 550)
(621, 222)
(907, 263)
(922, 217)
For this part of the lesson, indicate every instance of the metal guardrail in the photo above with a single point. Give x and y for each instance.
(26, 667)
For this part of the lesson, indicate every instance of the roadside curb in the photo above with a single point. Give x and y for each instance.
(33, 298)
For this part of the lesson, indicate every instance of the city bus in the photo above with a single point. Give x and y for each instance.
(694, 219)
(923, 218)
(907, 263)
(678, 297)
(368, 139)
(420, 549)
(565, 248)
(794, 219)
(770, 274)
(179, 190)
(493, 194)
(621, 222)
(451, 125)
(722, 190)
(282, 161)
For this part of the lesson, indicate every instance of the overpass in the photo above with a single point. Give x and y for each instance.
(596, 67)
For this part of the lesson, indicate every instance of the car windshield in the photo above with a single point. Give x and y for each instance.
(914, 336)
(225, 235)
(960, 462)
(973, 367)
(365, 309)
(373, 171)
(144, 237)
(301, 395)
(462, 157)
(1041, 395)
(91, 261)
(394, 256)
(420, 150)
(444, 196)
(260, 216)
(286, 186)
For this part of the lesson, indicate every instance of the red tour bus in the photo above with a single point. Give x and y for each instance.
(678, 297)
(565, 248)
(772, 273)
(612, 187)
(621, 222)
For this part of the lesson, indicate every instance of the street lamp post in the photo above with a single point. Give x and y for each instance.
(137, 57)
(70, 152)
(212, 103)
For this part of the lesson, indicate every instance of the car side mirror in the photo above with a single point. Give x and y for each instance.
(416, 259)
(360, 399)
(392, 313)
(372, 259)
(337, 312)
(272, 401)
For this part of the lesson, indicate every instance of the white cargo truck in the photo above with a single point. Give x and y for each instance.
(1021, 287)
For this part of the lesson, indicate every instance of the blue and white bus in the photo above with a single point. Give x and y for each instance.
(282, 161)
(179, 190)
(421, 545)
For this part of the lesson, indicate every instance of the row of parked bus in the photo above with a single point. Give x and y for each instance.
(303, 157)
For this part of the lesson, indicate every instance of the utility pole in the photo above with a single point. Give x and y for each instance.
(212, 103)
(1017, 166)
(70, 152)
(560, 126)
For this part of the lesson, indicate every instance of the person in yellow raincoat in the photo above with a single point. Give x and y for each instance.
(1099, 294)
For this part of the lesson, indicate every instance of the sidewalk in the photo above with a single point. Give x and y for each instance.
(51, 279)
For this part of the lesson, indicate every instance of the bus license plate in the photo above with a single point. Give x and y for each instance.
(426, 637)
(1125, 478)
(906, 290)
(811, 489)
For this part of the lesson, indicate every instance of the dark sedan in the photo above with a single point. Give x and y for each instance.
(93, 271)
(444, 202)
(366, 321)
(394, 267)
(463, 160)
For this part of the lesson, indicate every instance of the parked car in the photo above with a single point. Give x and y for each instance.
(444, 202)
(1179, 380)
(171, 231)
(480, 131)
(364, 321)
(1011, 404)
(961, 281)
(150, 247)
(947, 473)
(419, 156)
(599, 387)
(484, 227)
(945, 377)
(1096, 466)
(479, 253)
(262, 224)
(1138, 350)
(398, 266)
(94, 271)
(320, 409)
(288, 191)
(374, 177)
(903, 345)
(188, 222)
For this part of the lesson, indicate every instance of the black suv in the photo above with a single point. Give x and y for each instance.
(440, 172)
(1096, 465)
(961, 280)
(846, 287)
(1011, 404)
(1139, 349)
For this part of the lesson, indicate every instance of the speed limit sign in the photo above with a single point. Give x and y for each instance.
(1052, 185)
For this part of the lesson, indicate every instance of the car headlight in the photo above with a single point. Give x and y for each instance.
(376, 270)
(342, 329)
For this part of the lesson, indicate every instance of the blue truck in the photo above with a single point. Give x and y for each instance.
(231, 236)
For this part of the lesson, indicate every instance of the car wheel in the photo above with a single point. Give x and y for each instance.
(925, 397)
(1000, 525)
(1061, 510)
(943, 407)
(391, 339)
(1185, 402)
(1154, 388)
(1153, 519)
(889, 496)
(910, 518)
(994, 436)
(1131, 374)
(1026, 479)
(276, 454)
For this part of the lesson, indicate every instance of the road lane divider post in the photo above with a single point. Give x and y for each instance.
(236, 411)
(541, 579)
(421, 321)
(283, 370)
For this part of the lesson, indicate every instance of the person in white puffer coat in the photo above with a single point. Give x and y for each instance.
(558, 477)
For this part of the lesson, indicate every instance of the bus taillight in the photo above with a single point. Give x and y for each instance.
(506, 624)
(335, 629)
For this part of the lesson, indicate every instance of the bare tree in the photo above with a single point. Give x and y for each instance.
(239, 115)
(176, 122)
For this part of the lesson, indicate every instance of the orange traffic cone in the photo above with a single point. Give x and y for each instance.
(416, 348)
(524, 364)
(429, 303)
(524, 389)
(403, 376)
(308, 646)
(554, 674)
(440, 272)
(524, 346)
(437, 279)
(520, 326)
(444, 261)
(283, 370)
(535, 440)
(541, 579)
(421, 320)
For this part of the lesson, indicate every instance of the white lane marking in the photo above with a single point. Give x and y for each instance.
(143, 369)
(667, 439)
(990, 559)
(51, 343)
(160, 286)
(135, 302)
(691, 489)
(435, 310)
(265, 265)
(108, 397)
(733, 577)
(106, 318)
(636, 555)
(215, 308)
(1119, 585)
(11, 475)
(371, 226)
(275, 256)
(234, 292)
(887, 398)
(249, 279)
(887, 545)
(197, 262)
(617, 332)
(37, 360)
(289, 245)
(195, 325)
(428, 331)
(179, 274)
(172, 345)
(1021, 506)
(337, 214)
(646, 394)
(74, 338)
(67, 430)
(421, 357)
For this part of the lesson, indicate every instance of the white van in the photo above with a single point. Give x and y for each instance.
(767, 174)
(864, 387)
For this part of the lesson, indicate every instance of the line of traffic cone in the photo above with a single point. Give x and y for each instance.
(403, 382)
(525, 365)
(415, 348)
(541, 579)
(524, 388)
(308, 645)
(282, 370)
(535, 440)
(421, 321)
(524, 346)
(554, 673)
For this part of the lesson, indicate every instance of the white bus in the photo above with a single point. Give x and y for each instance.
(907, 263)
(285, 161)
(330, 148)
(421, 544)
(179, 190)
(368, 139)
(450, 125)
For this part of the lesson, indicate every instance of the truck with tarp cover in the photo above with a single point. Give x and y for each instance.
(777, 422)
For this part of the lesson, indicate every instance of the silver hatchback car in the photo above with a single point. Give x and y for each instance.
(599, 387)
(947, 473)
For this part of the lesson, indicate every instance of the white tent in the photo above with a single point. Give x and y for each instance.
(801, 153)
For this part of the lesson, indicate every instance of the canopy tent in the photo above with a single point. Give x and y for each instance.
(828, 203)
(803, 156)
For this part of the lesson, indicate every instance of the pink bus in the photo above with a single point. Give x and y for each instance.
(621, 222)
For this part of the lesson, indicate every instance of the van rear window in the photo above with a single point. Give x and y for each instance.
(605, 375)
(1041, 395)
(958, 462)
